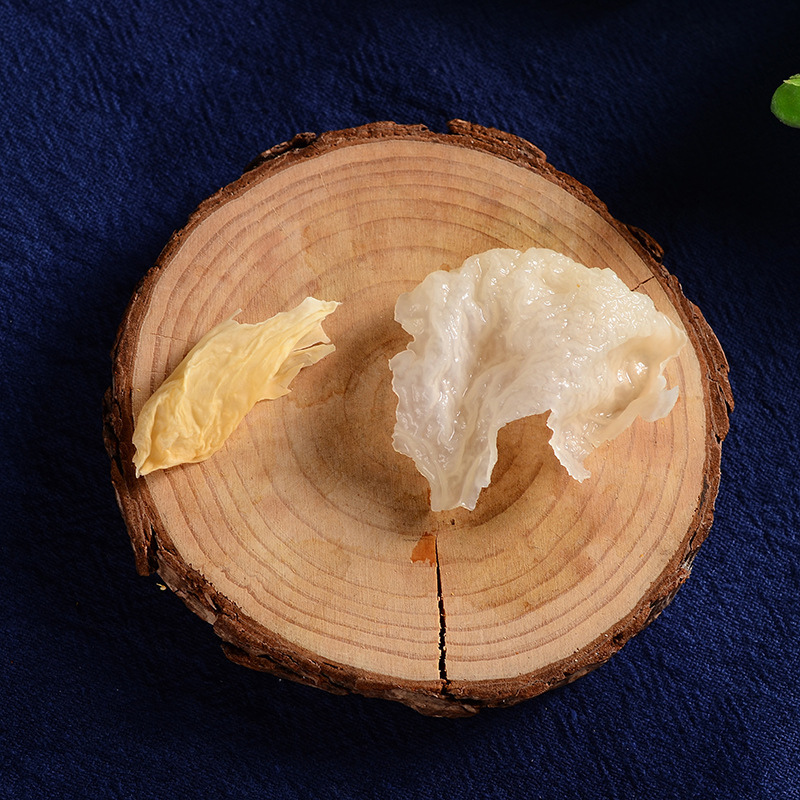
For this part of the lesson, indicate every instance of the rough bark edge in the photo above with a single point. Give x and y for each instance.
(250, 644)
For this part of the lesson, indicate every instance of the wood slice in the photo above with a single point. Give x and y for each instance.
(307, 541)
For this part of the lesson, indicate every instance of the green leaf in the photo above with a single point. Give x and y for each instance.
(786, 102)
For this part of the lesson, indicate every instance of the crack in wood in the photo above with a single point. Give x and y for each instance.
(642, 283)
(442, 625)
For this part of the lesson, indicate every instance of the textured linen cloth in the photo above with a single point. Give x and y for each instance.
(118, 118)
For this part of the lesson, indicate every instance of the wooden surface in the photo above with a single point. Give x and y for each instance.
(307, 541)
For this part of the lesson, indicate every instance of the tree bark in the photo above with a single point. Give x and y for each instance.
(307, 541)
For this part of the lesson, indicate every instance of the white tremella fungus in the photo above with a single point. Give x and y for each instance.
(510, 334)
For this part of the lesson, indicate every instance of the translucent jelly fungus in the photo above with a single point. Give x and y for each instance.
(234, 366)
(510, 334)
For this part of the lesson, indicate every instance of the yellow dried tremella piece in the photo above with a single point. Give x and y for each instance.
(233, 367)
(511, 334)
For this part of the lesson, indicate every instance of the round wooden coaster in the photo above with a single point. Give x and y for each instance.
(307, 541)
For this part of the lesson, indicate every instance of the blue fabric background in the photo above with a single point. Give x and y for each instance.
(118, 118)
